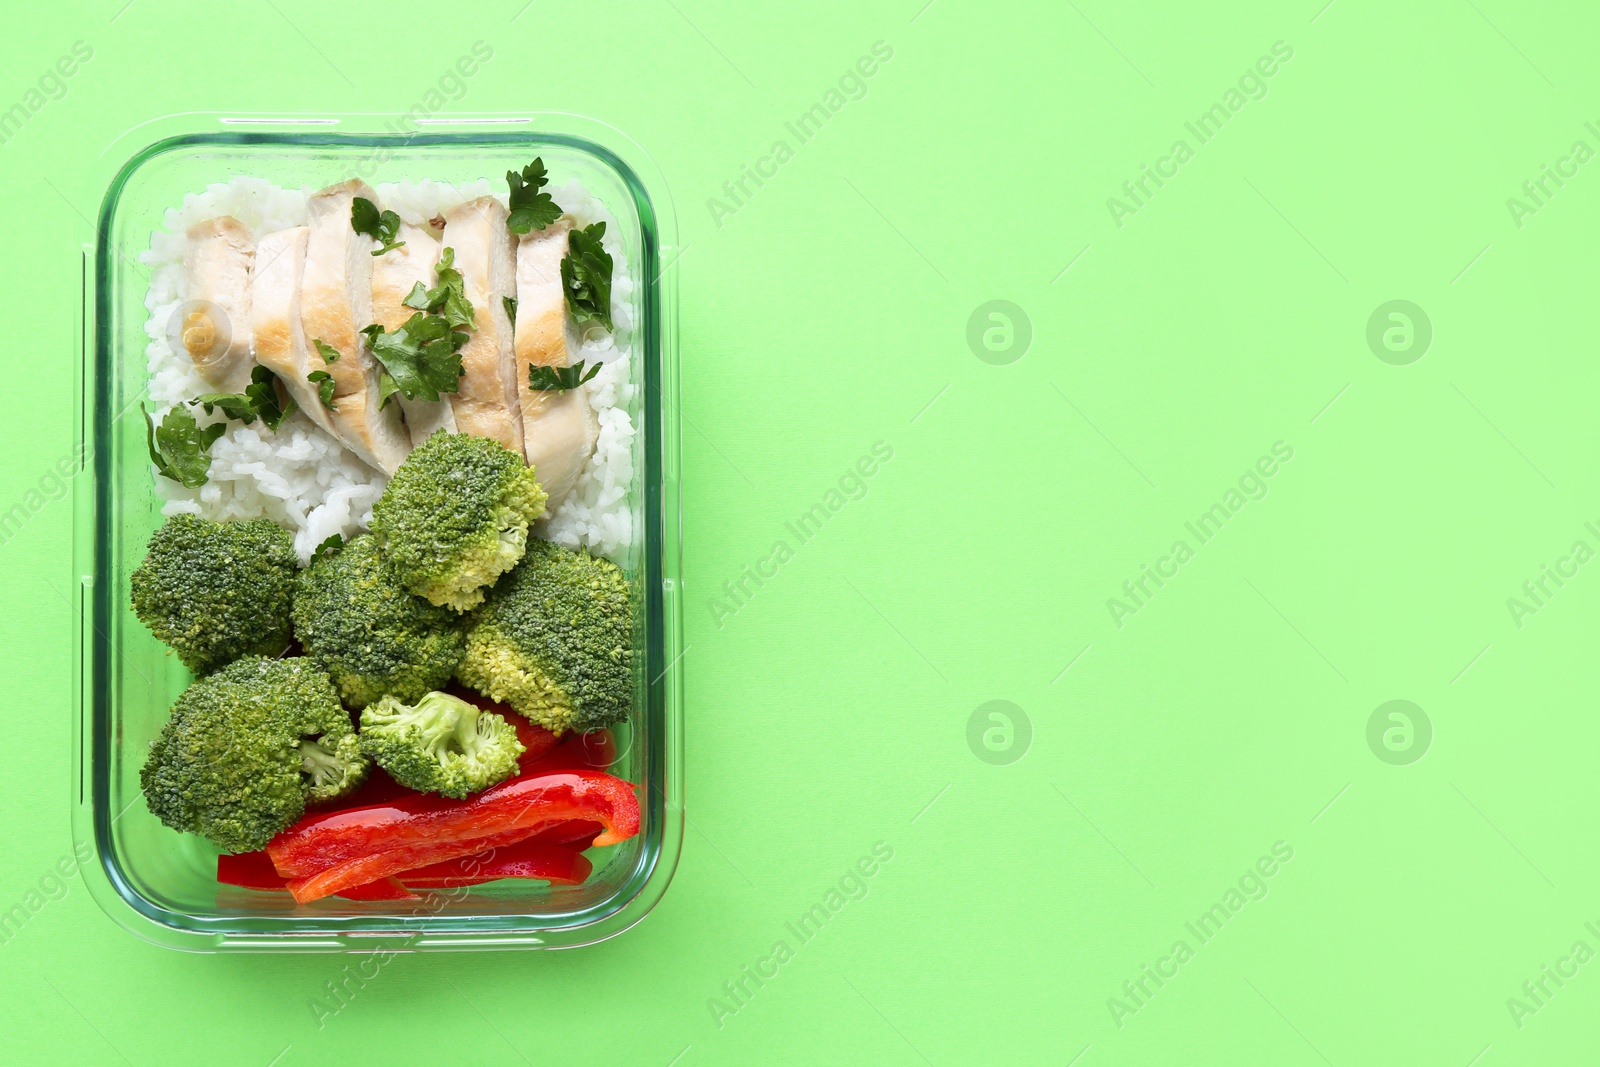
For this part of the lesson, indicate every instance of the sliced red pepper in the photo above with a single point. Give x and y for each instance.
(382, 889)
(536, 740)
(593, 751)
(375, 865)
(574, 833)
(522, 805)
(254, 870)
(512, 816)
(250, 870)
(379, 788)
(598, 747)
(525, 859)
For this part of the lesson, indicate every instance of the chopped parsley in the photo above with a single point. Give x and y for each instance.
(328, 547)
(263, 392)
(510, 304)
(234, 405)
(180, 448)
(421, 359)
(559, 379)
(328, 353)
(324, 383)
(448, 298)
(380, 226)
(387, 387)
(586, 275)
(530, 208)
(259, 400)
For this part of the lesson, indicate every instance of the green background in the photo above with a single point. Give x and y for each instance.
(830, 311)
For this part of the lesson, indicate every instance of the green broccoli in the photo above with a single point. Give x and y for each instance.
(247, 748)
(455, 517)
(215, 591)
(373, 638)
(441, 745)
(554, 640)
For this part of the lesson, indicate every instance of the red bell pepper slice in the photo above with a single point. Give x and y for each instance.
(525, 859)
(379, 788)
(574, 834)
(593, 751)
(517, 808)
(382, 889)
(536, 740)
(249, 870)
(254, 870)
(504, 815)
(377, 865)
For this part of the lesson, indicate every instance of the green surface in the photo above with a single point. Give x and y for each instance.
(828, 310)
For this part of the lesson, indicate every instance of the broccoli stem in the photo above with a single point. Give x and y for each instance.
(322, 767)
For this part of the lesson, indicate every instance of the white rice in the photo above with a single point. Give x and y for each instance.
(304, 479)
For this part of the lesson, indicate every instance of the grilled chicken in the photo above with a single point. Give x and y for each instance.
(335, 303)
(216, 319)
(394, 275)
(487, 403)
(280, 342)
(558, 428)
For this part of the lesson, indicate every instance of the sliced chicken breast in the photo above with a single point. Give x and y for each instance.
(558, 428)
(394, 275)
(335, 303)
(487, 402)
(216, 266)
(280, 341)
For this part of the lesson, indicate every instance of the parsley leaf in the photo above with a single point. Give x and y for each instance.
(418, 297)
(448, 298)
(179, 447)
(457, 308)
(559, 379)
(586, 275)
(422, 357)
(260, 398)
(365, 218)
(530, 209)
(234, 405)
(328, 353)
(324, 383)
(510, 304)
(387, 387)
(328, 547)
(263, 393)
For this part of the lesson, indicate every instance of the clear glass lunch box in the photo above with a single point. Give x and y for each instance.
(161, 884)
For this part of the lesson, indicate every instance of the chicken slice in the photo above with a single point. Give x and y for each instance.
(487, 403)
(335, 303)
(216, 323)
(280, 341)
(558, 428)
(394, 275)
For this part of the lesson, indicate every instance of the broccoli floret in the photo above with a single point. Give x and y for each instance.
(247, 748)
(215, 591)
(441, 745)
(358, 623)
(455, 517)
(554, 640)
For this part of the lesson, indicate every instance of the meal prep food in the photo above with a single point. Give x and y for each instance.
(391, 431)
